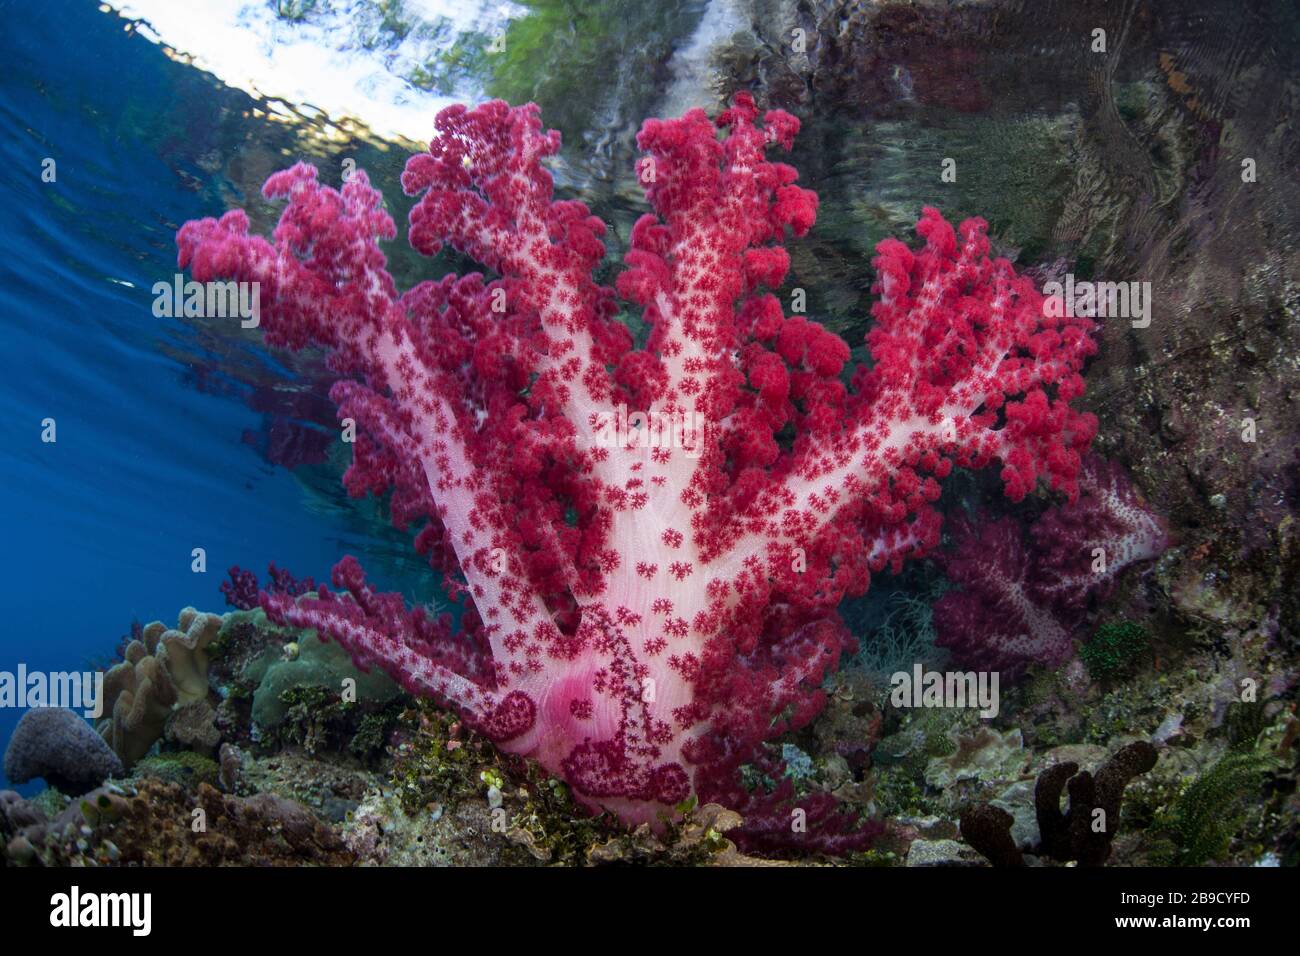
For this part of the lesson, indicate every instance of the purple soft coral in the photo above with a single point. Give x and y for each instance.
(1019, 602)
(241, 591)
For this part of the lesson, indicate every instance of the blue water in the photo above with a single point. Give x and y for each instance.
(99, 526)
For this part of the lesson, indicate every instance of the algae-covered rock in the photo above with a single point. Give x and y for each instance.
(318, 664)
(150, 825)
(942, 853)
(982, 753)
(183, 767)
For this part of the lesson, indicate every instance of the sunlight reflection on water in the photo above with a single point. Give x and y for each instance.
(344, 60)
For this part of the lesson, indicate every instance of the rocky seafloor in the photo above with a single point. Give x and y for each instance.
(250, 744)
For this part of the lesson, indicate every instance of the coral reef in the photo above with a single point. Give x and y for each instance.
(703, 560)
(1206, 816)
(439, 793)
(592, 658)
(58, 746)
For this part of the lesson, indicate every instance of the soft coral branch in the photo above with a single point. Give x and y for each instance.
(967, 369)
(483, 190)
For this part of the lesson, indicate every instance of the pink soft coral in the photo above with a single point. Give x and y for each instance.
(648, 608)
